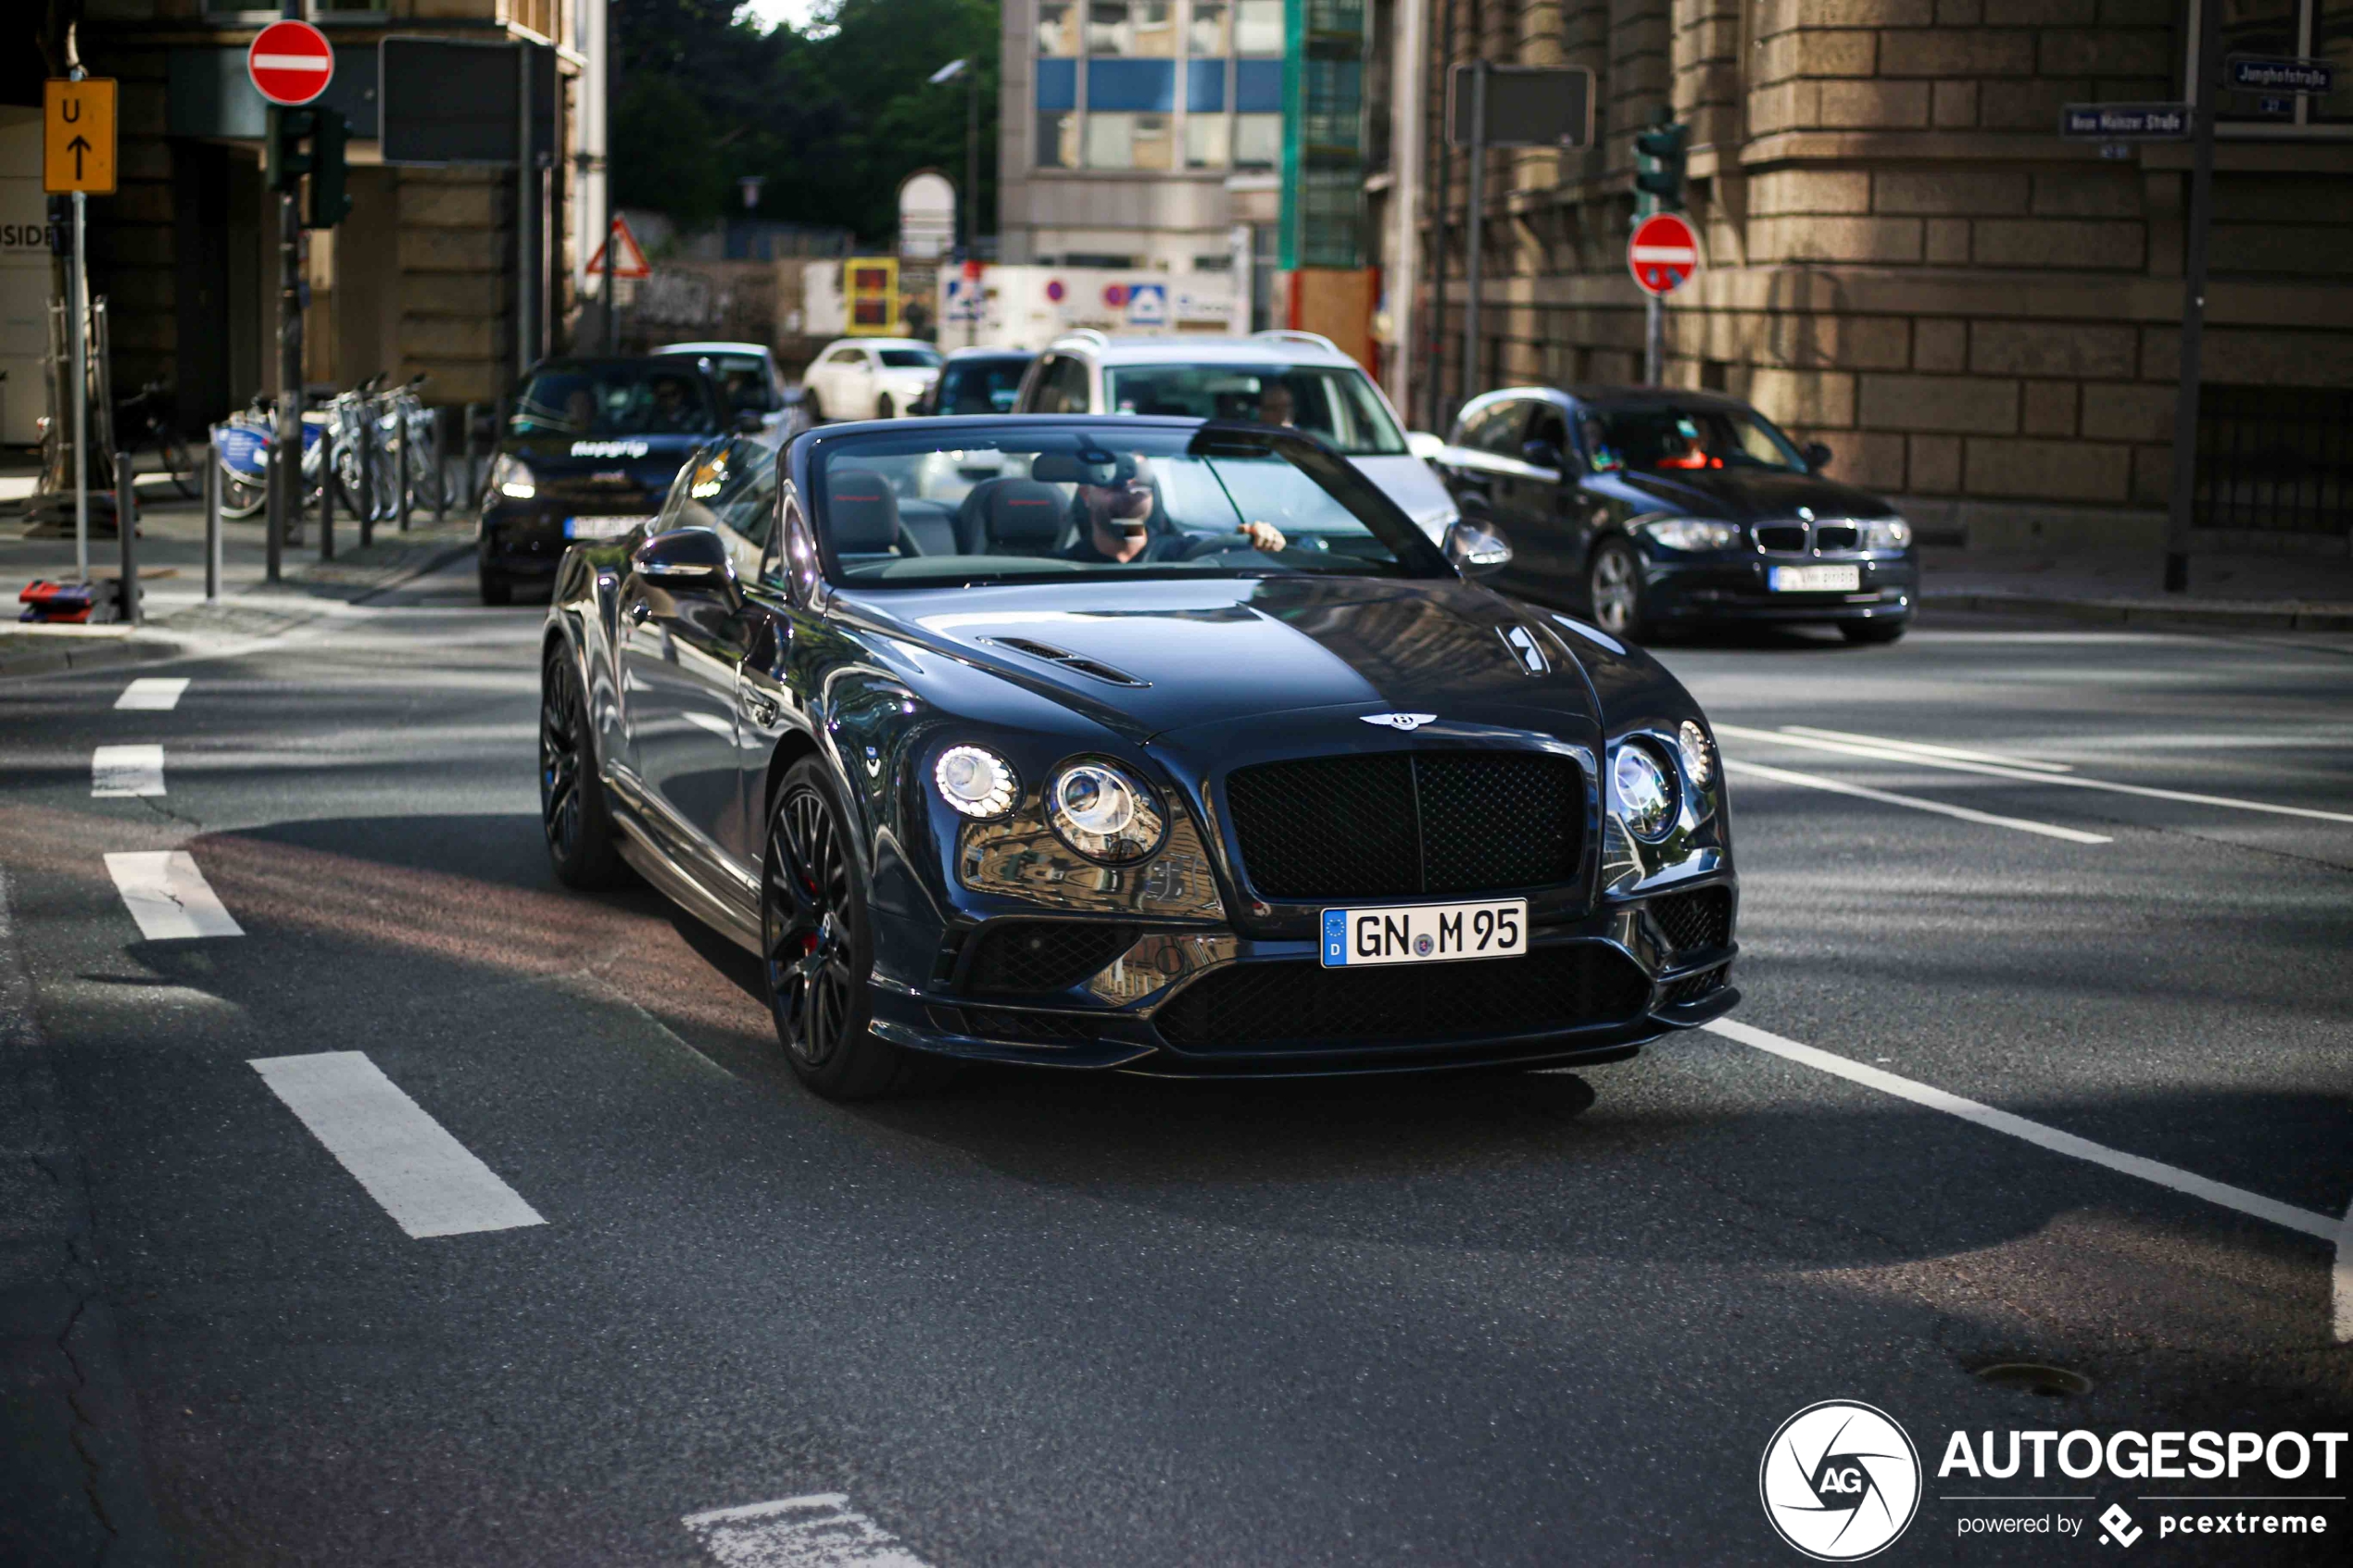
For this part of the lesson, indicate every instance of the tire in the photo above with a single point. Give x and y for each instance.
(173, 457)
(1613, 589)
(883, 410)
(817, 950)
(496, 588)
(1872, 633)
(583, 843)
(241, 496)
(812, 405)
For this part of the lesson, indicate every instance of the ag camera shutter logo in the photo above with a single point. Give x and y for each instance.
(1839, 1481)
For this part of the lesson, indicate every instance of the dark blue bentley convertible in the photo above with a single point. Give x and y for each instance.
(1128, 743)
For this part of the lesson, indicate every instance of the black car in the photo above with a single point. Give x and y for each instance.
(1169, 747)
(1657, 509)
(977, 381)
(589, 453)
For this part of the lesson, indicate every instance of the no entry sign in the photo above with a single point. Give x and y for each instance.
(1663, 253)
(290, 63)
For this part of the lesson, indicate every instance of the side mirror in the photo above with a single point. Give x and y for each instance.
(1476, 548)
(1540, 454)
(1817, 457)
(1425, 445)
(686, 560)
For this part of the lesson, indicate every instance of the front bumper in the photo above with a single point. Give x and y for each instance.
(1732, 587)
(525, 540)
(1628, 982)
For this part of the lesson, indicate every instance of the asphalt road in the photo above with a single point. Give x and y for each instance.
(1540, 1319)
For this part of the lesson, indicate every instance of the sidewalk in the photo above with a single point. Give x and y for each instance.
(171, 557)
(2277, 592)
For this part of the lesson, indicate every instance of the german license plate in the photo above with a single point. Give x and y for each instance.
(1814, 579)
(600, 527)
(1425, 932)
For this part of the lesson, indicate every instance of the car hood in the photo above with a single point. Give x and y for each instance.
(1744, 494)
(1212, 653)
(1417, 489)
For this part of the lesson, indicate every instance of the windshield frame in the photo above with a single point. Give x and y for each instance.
(1417, 558)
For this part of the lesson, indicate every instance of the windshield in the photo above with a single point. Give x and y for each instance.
(1668, 439)
(622, 397)
(980, 386)
(746, 381)
(904, 511)
(1335, 403)
(909, 358)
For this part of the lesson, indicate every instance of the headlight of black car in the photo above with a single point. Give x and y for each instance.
(975, 781)
(1104, 812)
(1699, 753)
(1693, 535)
(511, 477)
(1886, 534)
(1642, 791)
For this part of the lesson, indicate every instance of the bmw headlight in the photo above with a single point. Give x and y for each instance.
(1642, 792)
(1886, 534)
(1105, 814)
(977, 782)
(1693, 533)
(1699, 753)
(511, 476)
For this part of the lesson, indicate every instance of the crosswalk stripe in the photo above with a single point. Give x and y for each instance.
(169, 896)
(427, 1181)
(818, 1531)
(119, 771)
(157, 693)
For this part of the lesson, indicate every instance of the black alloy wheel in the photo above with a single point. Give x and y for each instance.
(818, 951)
(583, 841)
(178, 464)
(1613, 589)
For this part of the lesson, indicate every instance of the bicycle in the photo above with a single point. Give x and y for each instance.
(140, 425)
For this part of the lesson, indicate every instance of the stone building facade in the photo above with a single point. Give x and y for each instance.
(1906, 260)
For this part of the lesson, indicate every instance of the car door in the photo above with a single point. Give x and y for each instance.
(1546, 519)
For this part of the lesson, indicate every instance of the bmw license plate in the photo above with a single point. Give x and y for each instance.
(1425, 932)
(1815, 579)
(600, 527)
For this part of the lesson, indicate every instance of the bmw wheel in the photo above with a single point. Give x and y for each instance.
(583, 841)
(818, 949)
(1614, 587)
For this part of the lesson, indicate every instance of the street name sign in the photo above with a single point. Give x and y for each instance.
(1526, 106)
(290, 63)
(2261, 74)
(2125, 122)
(1663, 254)
(77, 136)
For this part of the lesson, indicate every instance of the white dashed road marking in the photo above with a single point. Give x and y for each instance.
(121, 770)
(1840, 787)
(821, 1531)
(2030, 764)
(155, 693)
(169, 896)
(427, 1181)
(2326, 1227)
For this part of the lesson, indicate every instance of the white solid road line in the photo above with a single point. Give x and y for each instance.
(169, 896)
(1925, 749)
(117, 771)
(820, 1531)
(427, 1180)
(2284, 1215)
(2342, 1275)
(157, 693)
(1863, 792)
(1881, 752)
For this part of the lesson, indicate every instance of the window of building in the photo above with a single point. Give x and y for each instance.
(1132, 27)
(1208, 141)
(1258, 26)
(2287, 28)
(1057, 28)
(1258, 140)
(1111, 94)
(1129, 141)
(1209, 28)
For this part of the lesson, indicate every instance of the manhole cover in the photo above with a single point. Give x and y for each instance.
(2031, 1377)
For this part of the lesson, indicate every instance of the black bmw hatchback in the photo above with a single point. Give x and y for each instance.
(1656, 509)
(588, 452)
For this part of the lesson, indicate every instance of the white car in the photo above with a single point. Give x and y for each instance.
(1282, 377)
(747, 372)
(870, 378)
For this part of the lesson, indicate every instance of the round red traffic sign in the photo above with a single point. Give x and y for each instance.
(1663, 253)
(290, 63)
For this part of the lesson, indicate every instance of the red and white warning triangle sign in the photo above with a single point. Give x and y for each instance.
(628, 261)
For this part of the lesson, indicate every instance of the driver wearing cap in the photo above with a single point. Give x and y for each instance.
(1118, 524)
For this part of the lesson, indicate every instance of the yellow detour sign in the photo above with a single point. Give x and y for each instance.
(77, 135)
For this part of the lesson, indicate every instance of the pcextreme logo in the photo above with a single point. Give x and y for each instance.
(1840, 1480)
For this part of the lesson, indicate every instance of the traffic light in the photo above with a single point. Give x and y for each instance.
(288, 162)
(1659, 159)
(330, 200)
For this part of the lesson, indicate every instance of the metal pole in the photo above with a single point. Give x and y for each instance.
(76, 309)
(285, 495)
(471, 493)
(367, 467)
(2177, 526)
(1654, 340)
(327, 494)
(1471, 235)
(401, 489)
(212, 525)
(1438, 232)
(126, 527)
(440, 470)
(525, 262)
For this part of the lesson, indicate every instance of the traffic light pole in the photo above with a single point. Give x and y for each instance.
(2184, 501)
(1478, 197)
(285, 469)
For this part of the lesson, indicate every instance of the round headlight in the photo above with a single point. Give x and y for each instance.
(1887, 533)
(1699, 761)
(977, 782)
(1645, 794)
(1104, 813)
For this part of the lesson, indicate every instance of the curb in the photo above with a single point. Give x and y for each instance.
(2151, 612)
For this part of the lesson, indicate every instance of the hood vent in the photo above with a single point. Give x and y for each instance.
(1077, 663)
(1526, 649)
